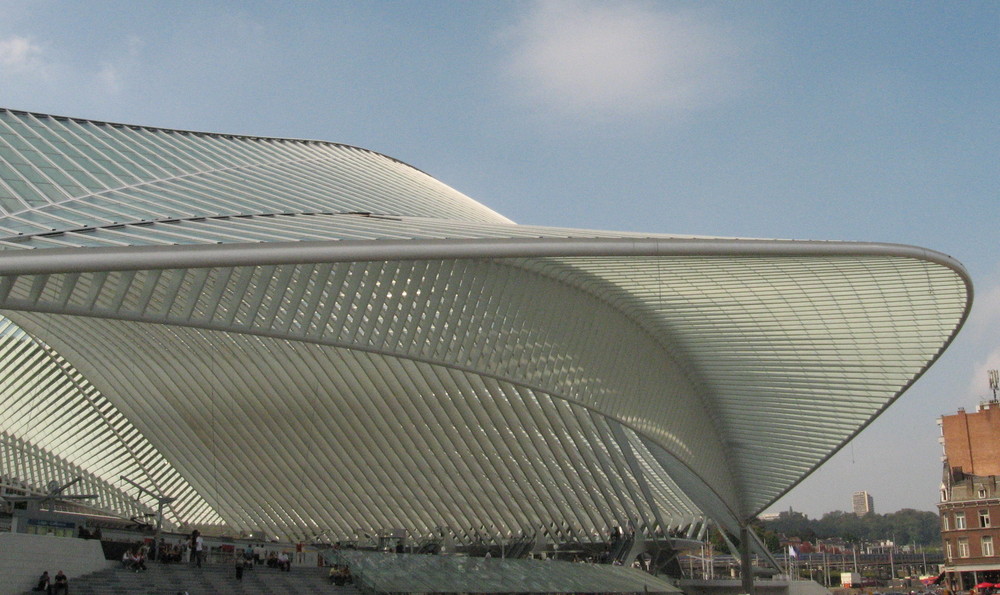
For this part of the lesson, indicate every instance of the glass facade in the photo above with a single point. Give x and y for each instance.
(317, 341)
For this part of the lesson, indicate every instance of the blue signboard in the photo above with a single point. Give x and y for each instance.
(52, 524)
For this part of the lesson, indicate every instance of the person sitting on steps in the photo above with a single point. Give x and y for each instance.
(61, 584)
(44, 583)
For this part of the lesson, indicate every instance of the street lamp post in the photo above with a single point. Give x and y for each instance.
(160, 501)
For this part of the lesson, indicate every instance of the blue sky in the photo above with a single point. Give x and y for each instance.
(875, 121)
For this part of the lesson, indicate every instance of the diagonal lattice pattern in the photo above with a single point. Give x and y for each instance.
(313, 340)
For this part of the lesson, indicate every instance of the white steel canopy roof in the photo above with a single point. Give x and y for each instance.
(316, 340)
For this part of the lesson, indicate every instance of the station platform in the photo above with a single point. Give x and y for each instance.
(210, 579)
(416, 573)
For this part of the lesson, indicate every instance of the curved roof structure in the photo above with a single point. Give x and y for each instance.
(312, 339)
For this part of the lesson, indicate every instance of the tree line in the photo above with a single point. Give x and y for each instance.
(903, 527)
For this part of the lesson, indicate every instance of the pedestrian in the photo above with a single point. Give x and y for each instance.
(197, 545)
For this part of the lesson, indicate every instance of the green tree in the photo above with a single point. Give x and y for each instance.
(904, 527)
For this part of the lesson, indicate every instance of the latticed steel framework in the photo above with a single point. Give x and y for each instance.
(315, 340)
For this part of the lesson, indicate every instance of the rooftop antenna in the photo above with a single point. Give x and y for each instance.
(994, 383)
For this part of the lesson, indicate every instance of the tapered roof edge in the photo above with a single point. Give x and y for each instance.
(98, 122)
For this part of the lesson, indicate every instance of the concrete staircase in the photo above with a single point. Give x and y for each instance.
(171, 579)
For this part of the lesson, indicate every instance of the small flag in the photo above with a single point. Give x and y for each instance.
(792, 553)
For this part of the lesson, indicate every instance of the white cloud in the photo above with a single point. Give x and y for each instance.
(109, 79)
(113, 76)
(986, 308)
(613, 60)
(36, 73)
(21, 54)
(982, 328)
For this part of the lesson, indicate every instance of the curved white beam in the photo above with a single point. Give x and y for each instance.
(273, 253)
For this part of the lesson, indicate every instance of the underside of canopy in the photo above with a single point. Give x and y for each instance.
(317, 341)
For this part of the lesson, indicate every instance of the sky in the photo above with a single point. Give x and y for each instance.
(860, 121)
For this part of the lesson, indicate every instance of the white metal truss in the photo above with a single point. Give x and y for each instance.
(316, 340)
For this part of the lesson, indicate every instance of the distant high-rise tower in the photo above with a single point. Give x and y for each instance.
(863, 503)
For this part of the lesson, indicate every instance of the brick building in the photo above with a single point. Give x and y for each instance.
(970, 501)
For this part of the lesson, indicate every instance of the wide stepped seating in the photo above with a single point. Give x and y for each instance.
(216, 579)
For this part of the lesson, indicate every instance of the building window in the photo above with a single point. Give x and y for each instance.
(944, 522)
(984, 518)
(947, 550)
(959, 520)
(963, 547)
(982, 492)
(987, 545)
